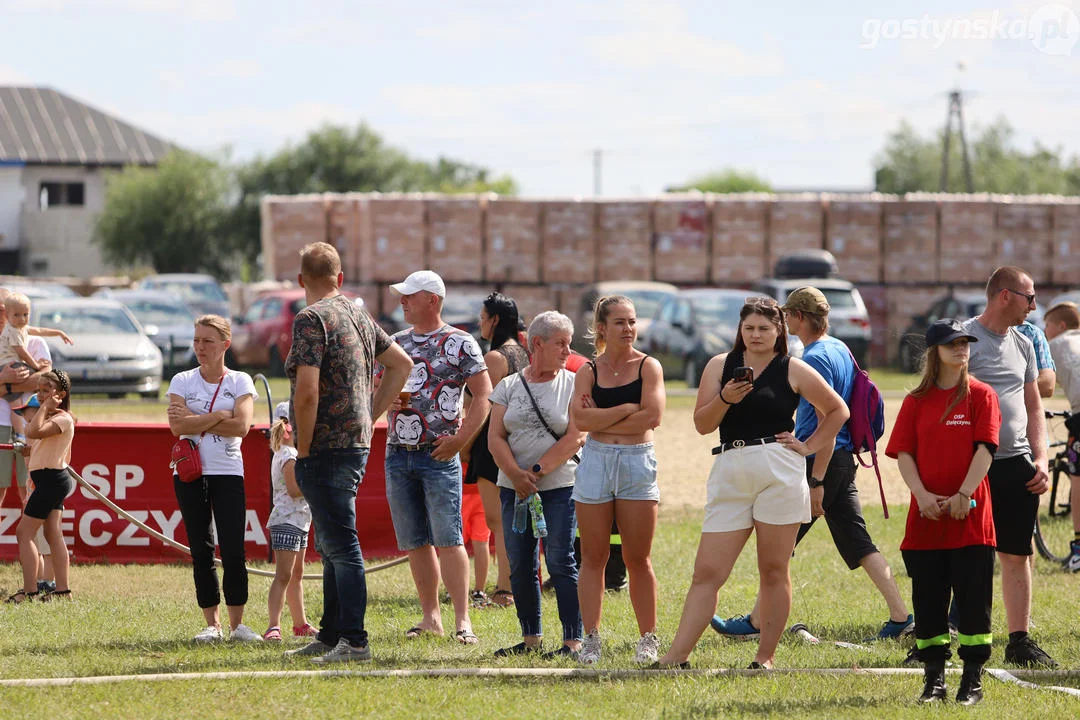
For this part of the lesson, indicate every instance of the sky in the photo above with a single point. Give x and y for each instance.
(803, 94)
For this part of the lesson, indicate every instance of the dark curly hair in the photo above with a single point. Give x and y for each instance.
(63, 382)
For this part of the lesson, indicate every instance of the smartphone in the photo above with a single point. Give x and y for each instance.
(744, 374)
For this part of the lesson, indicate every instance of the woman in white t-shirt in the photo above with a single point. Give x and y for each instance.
(212, 406)
(532, 461)
(288, 524)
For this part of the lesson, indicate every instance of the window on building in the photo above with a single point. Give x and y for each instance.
(57, 194)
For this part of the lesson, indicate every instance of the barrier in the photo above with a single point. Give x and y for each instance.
(128, 464)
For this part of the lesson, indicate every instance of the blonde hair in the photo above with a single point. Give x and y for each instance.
(1064, 312)
(320, 260)
(931, 371)
(222, 325)
(277, 433)
(16, 299)
(600, 315)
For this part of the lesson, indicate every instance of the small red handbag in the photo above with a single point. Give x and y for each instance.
(185, 461)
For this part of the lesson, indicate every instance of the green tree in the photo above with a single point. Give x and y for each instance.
(728, 180)
(912, 163)
(172, 218)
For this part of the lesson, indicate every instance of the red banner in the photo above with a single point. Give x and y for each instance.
(129, 464)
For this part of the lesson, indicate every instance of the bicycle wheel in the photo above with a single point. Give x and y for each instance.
(1053, 528)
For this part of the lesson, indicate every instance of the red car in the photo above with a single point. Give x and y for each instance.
(263, 336)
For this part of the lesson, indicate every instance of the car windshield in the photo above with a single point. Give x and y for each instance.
(839, 298)
(647, 302)
(719, 309)
(86, 320)
(190, 291)
(151, 312)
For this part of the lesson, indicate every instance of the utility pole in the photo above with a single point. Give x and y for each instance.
(597, 164)
(956, 108)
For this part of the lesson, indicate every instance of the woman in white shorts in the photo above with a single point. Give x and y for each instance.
(618, 399)
(758, 481)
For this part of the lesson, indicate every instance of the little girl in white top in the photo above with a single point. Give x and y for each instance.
(288, 524)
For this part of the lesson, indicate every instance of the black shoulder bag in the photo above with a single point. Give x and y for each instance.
(576, 458)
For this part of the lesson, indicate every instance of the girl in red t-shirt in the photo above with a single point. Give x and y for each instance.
(944, 440)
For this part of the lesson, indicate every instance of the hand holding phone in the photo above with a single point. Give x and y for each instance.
(744, 374)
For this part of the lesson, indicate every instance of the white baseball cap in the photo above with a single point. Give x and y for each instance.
(421, 280)
(281, 410)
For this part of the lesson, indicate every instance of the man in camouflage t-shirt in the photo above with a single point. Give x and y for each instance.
(334, 351)
(423, 471)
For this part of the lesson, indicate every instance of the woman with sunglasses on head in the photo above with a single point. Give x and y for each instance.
(51, 429)
(758, 480)
(944, 441)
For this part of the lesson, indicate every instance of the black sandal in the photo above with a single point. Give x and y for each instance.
(502, 598)
(21, 596)
(56, 594)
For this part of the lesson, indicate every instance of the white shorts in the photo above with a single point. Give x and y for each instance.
(763, 483)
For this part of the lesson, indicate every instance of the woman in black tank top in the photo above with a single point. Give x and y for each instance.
(758, 480)
(618, 400)
(499, 323)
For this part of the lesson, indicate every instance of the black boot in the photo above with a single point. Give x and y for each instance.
(970, 691)
(934, 689)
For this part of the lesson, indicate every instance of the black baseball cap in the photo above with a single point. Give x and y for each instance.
(945, 330)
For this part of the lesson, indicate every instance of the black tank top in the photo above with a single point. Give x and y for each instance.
(768, 409)
(606, 397)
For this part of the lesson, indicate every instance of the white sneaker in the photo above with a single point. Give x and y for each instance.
(209, 635)
(242, 633)
(344, 652)
(590, 650)
(648, 649)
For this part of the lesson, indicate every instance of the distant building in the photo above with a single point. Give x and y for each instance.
(55, 155)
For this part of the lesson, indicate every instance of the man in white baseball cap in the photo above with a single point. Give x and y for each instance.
(421, 281)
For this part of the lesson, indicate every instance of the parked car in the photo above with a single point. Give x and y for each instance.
(111, 353)
(166, 319)
(647, 298)
(41, 290)
(693, 326)
(848, 319)
(201, 292)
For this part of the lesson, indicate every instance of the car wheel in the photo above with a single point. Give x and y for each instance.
(150, 395)
(691, 375)
(277, 366)
(116, 396)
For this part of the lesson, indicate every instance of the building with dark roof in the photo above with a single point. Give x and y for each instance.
(55, 155)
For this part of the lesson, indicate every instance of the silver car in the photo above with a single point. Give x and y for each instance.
(111, 353)
(166, 319)
(202, 292)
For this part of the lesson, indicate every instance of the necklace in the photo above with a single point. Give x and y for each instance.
(612, 366)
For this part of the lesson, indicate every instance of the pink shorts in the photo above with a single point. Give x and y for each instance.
(473, 524)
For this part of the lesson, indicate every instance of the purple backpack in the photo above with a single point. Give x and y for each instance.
(867, 422)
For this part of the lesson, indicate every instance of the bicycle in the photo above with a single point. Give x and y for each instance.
(1053, 523)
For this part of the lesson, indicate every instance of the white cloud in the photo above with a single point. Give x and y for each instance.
(684, 51)
(9, 75)
(204, 10)
(236, 69)
(330, 33)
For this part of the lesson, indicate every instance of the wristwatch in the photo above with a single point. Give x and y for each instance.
(813, 482)
(537, 469)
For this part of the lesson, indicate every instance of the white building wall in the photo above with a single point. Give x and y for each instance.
(11, 204)
(56, 241)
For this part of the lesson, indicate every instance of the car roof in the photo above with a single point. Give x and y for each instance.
(77, 302)
(142, 294)
(185, 277)
(726, 292)
(609, 286)
(820, 283)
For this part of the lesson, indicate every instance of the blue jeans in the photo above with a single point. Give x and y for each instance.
(524, 553)
(328, 481)
(424, 495)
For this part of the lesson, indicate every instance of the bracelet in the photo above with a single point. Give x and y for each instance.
(721, 396)
(963, 495)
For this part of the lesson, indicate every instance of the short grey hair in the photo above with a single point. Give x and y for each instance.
(547, 324)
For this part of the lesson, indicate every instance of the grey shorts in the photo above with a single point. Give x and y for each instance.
(5, 461)
(616, 472)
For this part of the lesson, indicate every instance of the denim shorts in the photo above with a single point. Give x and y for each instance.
(287, 538)
(616, 472)
(424, 495)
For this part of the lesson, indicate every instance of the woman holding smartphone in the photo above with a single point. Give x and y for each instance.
(758, 480)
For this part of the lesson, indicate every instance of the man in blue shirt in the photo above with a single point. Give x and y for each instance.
(1044, 361)
(831, 473)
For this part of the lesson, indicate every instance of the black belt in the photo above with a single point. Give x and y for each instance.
(736, 444)
(416, 448)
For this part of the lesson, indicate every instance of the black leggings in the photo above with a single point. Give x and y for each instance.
(220, 497)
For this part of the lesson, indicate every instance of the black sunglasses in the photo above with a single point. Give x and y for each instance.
(1030, 298)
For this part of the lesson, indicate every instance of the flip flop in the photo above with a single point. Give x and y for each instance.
(502, 598)
(416, 631)
(466, 637)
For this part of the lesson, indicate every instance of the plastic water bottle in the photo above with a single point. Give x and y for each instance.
(536, 509)
(521, 515)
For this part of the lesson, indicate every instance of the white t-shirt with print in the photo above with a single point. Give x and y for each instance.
(287, 509)
(39, 350)
(219, 455)
(12, 338)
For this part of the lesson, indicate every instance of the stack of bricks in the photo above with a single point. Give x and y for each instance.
(512, 251)
(288, 224)
(569, 241)
(966, 252)
(1023, 237)
(624, 240)
(853, 235)
(681, 246)
(395, 232)
(532, 299)
(795, 223)
(910, 252)
(1066, 243)
(740, 226)
(455, 237)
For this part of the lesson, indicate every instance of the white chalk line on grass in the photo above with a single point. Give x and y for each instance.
(516, 673)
